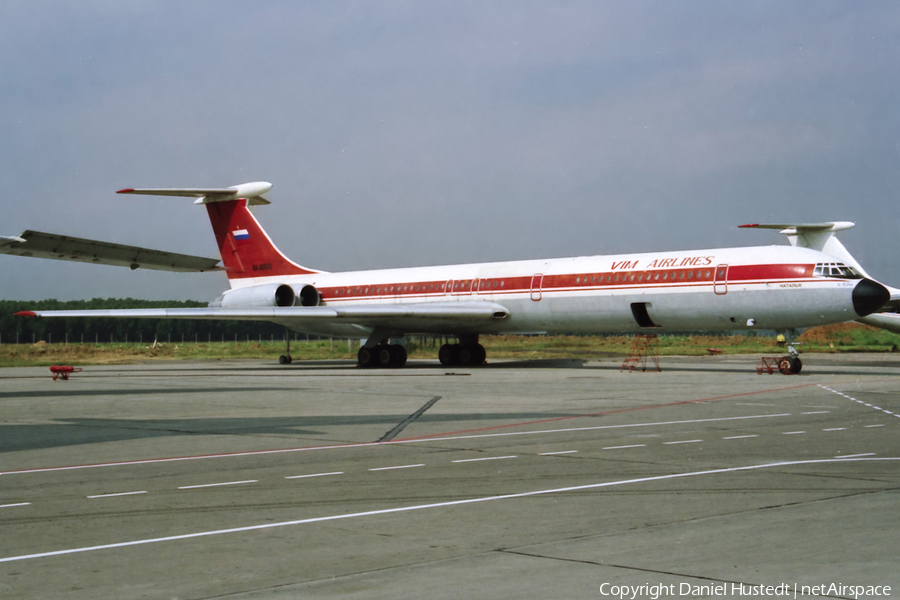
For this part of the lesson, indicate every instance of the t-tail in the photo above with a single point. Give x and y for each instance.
(247, 251)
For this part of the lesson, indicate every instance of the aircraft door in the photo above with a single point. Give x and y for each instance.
(475, 287)
(448, 287)
(536, 282)
(720, 283)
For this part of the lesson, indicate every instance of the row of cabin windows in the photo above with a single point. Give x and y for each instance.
(652, 276)
(487, 284)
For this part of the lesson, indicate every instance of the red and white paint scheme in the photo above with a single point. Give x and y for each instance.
(813, 281)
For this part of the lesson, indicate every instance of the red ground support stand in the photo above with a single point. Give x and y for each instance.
(63, 371)
(770, 364)
(713, 351)
(644, 347)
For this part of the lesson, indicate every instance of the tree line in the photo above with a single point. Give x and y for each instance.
(104, 330)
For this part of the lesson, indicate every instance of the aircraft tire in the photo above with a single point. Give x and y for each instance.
(796, 365)
(384, 356)
(366, 357)
(449, 354)
(473, 355)
(285, 359)
(399, 356)
(784, 365)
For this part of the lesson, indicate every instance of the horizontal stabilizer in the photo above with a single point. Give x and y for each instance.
(816, 236)
(254, 192)
(62, 247)
(423, 317)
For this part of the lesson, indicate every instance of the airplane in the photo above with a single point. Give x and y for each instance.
(813, 281)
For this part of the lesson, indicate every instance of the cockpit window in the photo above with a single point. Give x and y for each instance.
(838, 270)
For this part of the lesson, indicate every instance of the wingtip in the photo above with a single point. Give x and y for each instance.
(750, 225)
(25, 313)
(126, 191)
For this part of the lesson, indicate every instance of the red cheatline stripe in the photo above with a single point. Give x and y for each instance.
(608, 412)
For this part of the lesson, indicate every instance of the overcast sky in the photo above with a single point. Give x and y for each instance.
(415, 133)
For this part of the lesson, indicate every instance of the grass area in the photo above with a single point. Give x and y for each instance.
(845, 337)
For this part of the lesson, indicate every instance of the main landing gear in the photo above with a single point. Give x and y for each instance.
(385, 356)
(467, 352)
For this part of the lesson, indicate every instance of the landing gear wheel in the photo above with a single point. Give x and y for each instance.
(366, 357)
(790, 365)
(399, 356)
(384, 356)
(449, 354)
(473, 355)
(285, 359)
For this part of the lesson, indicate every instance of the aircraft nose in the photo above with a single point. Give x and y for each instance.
(869, 296)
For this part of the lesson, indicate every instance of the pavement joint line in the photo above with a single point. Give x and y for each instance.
(467, 460)
(206, 485)
(117, 494)
(449, 437)
(314, 475)
(402, 424)
(621, 410)
(397, 467)
(403, 509)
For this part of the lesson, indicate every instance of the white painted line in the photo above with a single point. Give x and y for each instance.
(480, 459)
(16, 504)
(875, 407)
(206, 485)
(791, 432)
(684, 442)
(856, 455)
(835, 429)
(422, 440)
(117, 494)
(739, 437)
(816, 412)
(620, 447)
(888, 412)
(403, 509)
(398, 467)
(314, 475)
(879, 425)
(561, 452)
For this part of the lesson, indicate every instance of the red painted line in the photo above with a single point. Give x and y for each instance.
(600, 414)
(395, 441)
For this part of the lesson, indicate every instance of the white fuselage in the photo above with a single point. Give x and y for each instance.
(764, 287)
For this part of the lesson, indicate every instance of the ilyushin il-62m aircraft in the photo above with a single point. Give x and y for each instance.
(812, 281)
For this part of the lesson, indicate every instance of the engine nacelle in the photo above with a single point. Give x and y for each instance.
(260, 296)
(309, 296)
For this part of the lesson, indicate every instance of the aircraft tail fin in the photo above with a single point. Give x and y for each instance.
(247, 250)
(817, 236)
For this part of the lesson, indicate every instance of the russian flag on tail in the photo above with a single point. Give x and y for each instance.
(241, 235)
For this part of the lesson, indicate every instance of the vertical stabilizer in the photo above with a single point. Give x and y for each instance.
(246, 249)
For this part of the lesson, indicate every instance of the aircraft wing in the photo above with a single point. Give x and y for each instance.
(62, 247)
(420, 317)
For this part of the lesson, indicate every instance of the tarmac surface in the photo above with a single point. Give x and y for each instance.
(540, 479)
